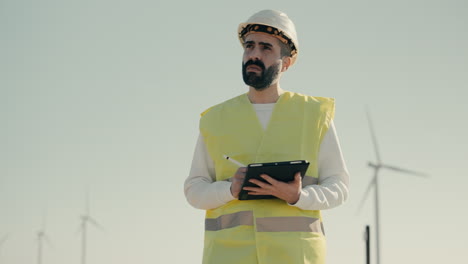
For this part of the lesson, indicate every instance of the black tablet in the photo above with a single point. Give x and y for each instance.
(282, 171)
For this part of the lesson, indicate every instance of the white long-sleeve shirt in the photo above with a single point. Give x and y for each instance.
(204, 192)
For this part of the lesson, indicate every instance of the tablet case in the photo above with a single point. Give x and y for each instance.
(282, 171)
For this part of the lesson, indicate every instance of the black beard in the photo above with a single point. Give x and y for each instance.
(262, 81)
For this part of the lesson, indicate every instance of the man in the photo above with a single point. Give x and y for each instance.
(267, 124)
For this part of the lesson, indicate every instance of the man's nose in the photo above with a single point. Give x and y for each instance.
(254, 54)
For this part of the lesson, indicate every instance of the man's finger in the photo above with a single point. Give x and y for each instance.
(258, 183)
(297, 177)
(269, 179)
(241, 170)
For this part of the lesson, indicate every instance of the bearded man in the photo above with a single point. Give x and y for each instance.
(267, 124)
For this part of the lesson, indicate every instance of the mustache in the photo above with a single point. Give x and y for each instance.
(256, 62)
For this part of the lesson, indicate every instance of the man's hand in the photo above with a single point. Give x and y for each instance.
(287, 191)
(237, 181)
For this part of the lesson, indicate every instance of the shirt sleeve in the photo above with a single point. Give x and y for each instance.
(200, 188)
(332, 188)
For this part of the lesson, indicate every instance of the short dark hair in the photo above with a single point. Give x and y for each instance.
(285, 49)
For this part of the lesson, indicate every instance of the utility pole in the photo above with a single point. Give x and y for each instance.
(367, 239)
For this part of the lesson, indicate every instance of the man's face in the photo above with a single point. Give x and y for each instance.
(262, 61)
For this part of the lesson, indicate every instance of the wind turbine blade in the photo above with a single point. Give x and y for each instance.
(405, 171)
(374, 138)
(369, 188)
(79, 229)
(44, 220)
(48, 241)
(96, 224)
(3, 240)
(87, 201)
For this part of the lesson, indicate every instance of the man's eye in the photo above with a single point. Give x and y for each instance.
(248, 46)
(266, 48)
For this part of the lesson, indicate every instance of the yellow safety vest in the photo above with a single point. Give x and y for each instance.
(265, 231)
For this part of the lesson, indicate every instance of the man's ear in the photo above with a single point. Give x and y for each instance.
(286, 63)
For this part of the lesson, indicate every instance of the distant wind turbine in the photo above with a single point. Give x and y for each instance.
(374, 183)
(85, 219)
(2, 242)
(41, 237)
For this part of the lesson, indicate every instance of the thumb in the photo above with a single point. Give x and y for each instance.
(297, 177)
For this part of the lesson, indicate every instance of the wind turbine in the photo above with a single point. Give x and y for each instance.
(41, 237)
(85, 219)
(2, 242)
(377, 166)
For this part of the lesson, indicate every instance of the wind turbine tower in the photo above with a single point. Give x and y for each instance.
(377, 166)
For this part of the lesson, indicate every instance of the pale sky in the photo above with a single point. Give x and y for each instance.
(105, 95)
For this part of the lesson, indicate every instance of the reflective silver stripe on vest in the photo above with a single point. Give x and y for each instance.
(229, 221)
(289, 224)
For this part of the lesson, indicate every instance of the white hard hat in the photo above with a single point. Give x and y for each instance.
(275, 23)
